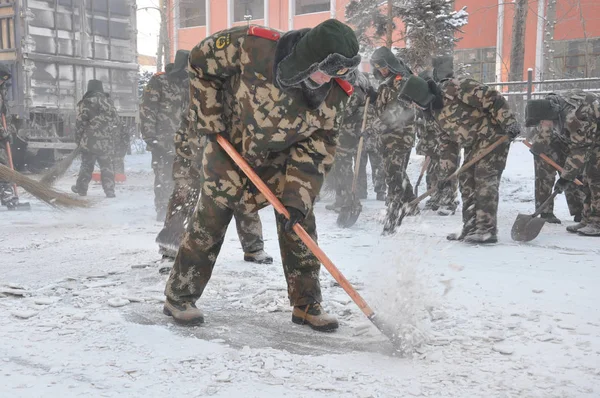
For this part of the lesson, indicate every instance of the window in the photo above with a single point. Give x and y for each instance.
(576, 58)
(192, 13)
(253, 8)
(310, 6)
(481, 63)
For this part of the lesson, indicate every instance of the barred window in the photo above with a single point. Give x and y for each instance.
(310, 6)
(480, 62)
(576, 58)
(192, 13)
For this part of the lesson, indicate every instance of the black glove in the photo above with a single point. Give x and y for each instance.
(443, 184)
(295, 217)
(372, 93)
(562, 184)
(513, 131)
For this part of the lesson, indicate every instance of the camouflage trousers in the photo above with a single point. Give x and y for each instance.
(107, 173)
(545, 176)
(400, 190)
(7, 193)
(591, 188)
(479, 188)
(181, 208)
(377, 173)
(202, 243)
(162, 164)
(446, 197)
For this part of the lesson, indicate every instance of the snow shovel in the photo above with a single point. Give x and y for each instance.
(383, 326)
(423, 168)
(407, 208)
(172, 233)
(18, 206)
(352, 208)
(527, 227)
(552, 163)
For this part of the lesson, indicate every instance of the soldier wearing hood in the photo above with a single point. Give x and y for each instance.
(472, 116)
(442, 201)
(573, 118)
(165, 96)
(397, 137)
(100, 134)
(279, 99)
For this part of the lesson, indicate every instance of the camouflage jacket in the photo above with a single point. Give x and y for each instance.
(428, 133)
(352, 122)
(397, 116)
(472, 112)
(233, 93)
(577, 127)
(98, 128)
(164, 98)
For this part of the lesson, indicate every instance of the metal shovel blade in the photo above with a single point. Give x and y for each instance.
(172, 233)
(526, 228)
(349, 213)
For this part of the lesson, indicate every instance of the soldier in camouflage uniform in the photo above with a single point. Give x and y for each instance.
(272, 96)
(556, 147)
(165, 95)
(573, 117)
(187, 177)
(473, 116)
(99, 132)
(7, 193)
(398, 135)
(429, 133)
(349, 136)
(372, 153)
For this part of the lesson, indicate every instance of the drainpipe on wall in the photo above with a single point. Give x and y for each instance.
(207, 12)
(291, 13)
(266, 12)
(539, 40)
(229, 13)
(176, 19)
(333, 8)
(499, 40)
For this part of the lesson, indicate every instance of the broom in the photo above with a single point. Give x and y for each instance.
(42, 192)
(59, 169)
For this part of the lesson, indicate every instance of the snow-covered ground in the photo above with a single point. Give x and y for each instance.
(509, 320)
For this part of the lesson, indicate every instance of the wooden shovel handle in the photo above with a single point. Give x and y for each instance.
(360, 147)
(302, 234)
(551, 162)
(464, 167)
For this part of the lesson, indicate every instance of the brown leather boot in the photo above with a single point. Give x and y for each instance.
(184, 313)
(314, 316)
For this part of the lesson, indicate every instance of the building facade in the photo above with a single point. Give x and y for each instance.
(486, 39)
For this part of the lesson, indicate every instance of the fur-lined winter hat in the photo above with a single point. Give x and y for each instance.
(4, 73)
(330, 47)
(169, 67)
(417, 90)
(181, 62)
(383, 57)
(540, 109)
(443, 68)
(94, 86)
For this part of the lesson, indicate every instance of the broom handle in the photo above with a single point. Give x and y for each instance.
(9, 154)
(302, 234)
(463, 168)
(551, 162)
(360, 147)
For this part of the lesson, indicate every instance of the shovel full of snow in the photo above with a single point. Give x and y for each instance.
(384, 327)
(528, 226)
(352, 208)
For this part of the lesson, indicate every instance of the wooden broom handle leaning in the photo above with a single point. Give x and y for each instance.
(302, 234)
(360, 147)
(551, 162)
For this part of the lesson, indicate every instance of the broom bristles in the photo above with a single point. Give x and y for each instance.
(42, 192)
(59, 169)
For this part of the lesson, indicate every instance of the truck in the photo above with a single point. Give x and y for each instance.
(53, 47)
